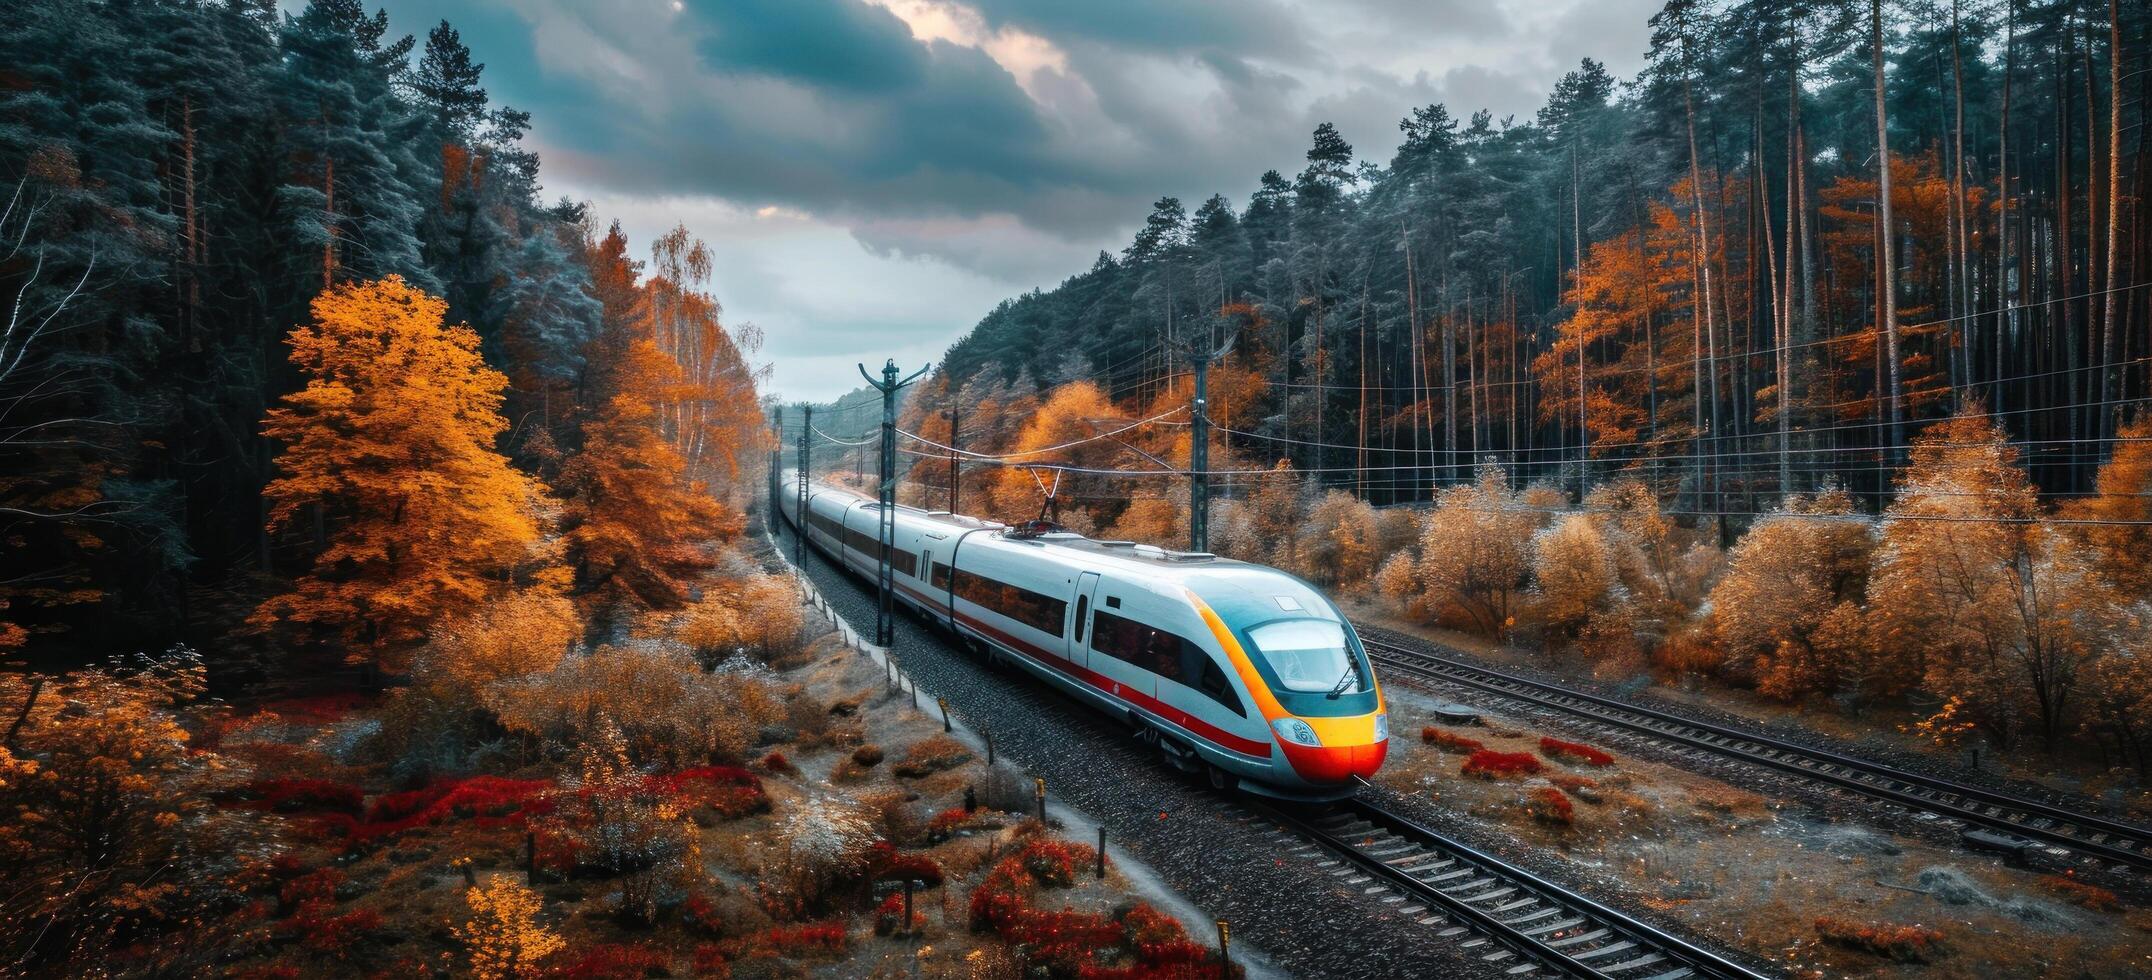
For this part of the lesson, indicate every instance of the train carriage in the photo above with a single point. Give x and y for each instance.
(1234, 669)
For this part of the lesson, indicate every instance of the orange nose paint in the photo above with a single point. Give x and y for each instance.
(1335, 764)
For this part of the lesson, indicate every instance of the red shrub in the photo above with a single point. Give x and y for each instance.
(317, 925)
(711, 962)
(1489, 764)
(1147, 926)
(614, 961)
(1909, 944)
(2090, 896)
(1063, 941)
(1449, 742)
(306, 796)
(946, 823)
(776, 762)
(1054, 862)
(316, 886)
(731, 791)
(889, 916)
(1551, 806)
(1554, 748)
(886, 863)
(491, 800)
(698, 912)
(286, 865)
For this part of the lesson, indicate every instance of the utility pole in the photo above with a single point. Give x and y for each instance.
(777, 463)
(885, 625)
(799, 527)
(954, 415)
(1199, 442)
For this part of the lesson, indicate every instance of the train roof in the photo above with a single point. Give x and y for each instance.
(1241, 591)
(1128, 554)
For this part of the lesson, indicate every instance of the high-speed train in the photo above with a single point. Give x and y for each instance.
(1237, 670)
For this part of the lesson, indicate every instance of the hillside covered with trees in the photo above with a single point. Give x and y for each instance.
(1692, 255)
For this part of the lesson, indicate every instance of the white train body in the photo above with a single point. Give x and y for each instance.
(1239, 668)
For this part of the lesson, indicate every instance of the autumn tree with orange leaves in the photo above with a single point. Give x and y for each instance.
(389, 454)
(1975, 592)
(635, 522)
(2118, 516)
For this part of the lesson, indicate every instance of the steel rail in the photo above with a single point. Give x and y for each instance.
(1533, 924)
(2106, 840)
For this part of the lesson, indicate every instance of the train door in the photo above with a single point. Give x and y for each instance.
(1080, 631)
(1115, 642)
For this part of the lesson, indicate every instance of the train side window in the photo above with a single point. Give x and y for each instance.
(1146, 647)
(1113, 602)
(1083, 610)
(941, 575)
(1040, 612)
(1215, 687)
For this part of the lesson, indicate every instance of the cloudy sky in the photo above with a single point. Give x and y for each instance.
(874, 175)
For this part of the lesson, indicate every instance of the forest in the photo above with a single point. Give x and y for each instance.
(1812, 360)
(1707, 273)
(186, 182)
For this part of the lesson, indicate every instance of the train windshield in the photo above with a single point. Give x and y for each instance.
(1309, 655)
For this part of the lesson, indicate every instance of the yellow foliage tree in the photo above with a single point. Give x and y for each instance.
(503, 936)
(1978, 593)
(1153, 520)
(635, 521)
(1339, 540)
(108, 837)
(391, 448)
(526, 632)
(2122, 540)
(668, 708)
(1577, 587)
(1783, 583)
(759, 613)
(1475, 553)
(1075, 413)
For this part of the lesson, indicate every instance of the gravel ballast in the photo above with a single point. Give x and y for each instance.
(1304, 920)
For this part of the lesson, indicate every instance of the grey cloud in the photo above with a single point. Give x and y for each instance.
(832, 107)
(1261, 27)
(848, 46)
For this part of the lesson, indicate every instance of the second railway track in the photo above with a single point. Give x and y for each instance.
(1516, 921)
(2116, 845)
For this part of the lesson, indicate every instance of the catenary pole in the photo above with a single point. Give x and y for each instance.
(955, 416)
(885, 625)
(1199, 442)
(799, 527)
(777, 460)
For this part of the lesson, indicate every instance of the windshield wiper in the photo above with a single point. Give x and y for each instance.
(1352, 674)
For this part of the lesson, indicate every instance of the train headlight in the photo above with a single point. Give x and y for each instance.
(1382, 726)
(1295, 731)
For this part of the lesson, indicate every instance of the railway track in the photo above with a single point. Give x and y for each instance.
(2120, 847)
(1507, 916)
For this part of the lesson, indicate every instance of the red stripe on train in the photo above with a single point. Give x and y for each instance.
(1237, 743)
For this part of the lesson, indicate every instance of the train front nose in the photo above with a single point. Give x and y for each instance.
(1342, 749)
